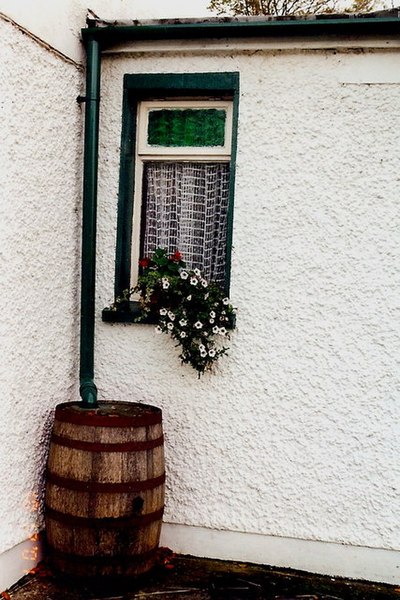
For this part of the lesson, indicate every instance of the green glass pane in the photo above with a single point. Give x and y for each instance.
(186, 127)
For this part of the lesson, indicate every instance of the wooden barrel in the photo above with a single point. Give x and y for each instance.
(105, 489)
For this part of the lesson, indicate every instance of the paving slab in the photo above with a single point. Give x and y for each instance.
(187, 578)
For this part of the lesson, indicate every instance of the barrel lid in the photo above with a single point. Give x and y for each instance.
(109, 414)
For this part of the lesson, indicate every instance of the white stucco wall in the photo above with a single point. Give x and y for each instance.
(59, 23)
(296, 436)
(297, 433)
(40, 176)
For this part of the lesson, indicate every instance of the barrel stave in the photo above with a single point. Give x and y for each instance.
(104, 506)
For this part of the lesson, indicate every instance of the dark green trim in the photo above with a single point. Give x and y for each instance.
(235, 122)
(149, 85)
(131, 311)
(230, 28)
(88, 389)
(125, 197)
(128, 313)
(146, 86)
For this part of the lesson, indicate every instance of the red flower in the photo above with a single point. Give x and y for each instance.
(144, 262)
(177, 256)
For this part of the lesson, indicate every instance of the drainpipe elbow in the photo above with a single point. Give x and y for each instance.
(88, 392)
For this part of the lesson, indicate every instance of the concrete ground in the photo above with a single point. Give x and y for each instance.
(187, 578)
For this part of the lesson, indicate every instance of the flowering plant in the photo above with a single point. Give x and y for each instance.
(195, 312)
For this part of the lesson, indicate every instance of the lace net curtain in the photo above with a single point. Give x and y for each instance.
(185, 208)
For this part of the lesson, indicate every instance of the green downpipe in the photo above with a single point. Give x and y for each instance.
(88, 390)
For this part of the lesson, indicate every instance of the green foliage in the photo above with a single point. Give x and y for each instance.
(194, 312)
(359, 6)
(282, 8)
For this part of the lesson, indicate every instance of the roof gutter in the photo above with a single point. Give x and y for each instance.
(167, 29)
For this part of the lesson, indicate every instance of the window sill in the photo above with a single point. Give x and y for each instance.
(130, 311)
(127, 313)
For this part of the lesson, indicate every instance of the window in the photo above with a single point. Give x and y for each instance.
(177, 171)
(182, 156)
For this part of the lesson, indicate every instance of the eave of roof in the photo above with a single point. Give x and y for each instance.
(362, 24)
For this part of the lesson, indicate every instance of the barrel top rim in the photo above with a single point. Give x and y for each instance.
(109, 414)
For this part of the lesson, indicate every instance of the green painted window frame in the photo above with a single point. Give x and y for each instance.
(138, 88)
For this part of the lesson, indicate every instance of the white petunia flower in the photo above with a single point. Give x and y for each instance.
(198, 325)
(202, 347)
(211, 321)
(211, 353)
(158, 329)
(212, 314)
(171, 315)
(163, 312)
(222, 331)
(183, 334)
(189, 297)
(184, 274)
(204, 283)
(197, 272)
(215, 329)
(170, 326)
(165, 283)
(203, 353)
(225, 301)
(183, 322)
(193, 281)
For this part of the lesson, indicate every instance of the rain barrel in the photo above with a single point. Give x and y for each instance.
(104, 489)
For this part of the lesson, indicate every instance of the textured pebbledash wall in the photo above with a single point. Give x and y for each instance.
(295, 435)
(39, 228)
